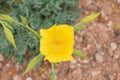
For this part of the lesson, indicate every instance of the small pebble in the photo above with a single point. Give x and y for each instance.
(98, 57)
(8, 65)
(118, 1)
(116, 56)
(17, 77)
(95, 73)
(85, 61)
(28, 78)
(110, 25)
(89, 2)
(113, 46)
(73, 61)
(88, 46)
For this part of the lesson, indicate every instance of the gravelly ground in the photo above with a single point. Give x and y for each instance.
(100, 41)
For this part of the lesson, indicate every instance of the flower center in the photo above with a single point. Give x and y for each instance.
(56, 42)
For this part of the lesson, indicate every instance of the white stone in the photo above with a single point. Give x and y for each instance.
(110, 24)
(73, 61)
(98, 57)
(88, 46)
(95, 73)
(113, 46)
(8, 65)
(28, 78)
(17, 77)
(118, 1)
(85, 61)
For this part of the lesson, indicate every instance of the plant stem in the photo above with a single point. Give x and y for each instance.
(52, 64)
(52, 74)
(77, 24)
(26, 26)
(32, 30)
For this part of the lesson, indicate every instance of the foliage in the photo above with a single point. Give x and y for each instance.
(39, 58)
(39, 14)
(76, 52)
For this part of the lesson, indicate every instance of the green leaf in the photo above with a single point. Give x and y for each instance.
(79, 27)
(33, 63)
(6, 18)
(52, 75)
(24, 20)
(79, 53)
(7, 25)
(89, 18)
(9, 35)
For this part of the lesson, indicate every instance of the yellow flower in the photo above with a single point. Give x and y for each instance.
(57, 43)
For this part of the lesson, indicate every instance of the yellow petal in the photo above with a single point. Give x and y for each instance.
(54, 59)
(57, 43)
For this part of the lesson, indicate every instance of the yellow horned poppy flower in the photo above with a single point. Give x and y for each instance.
(57, 43)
